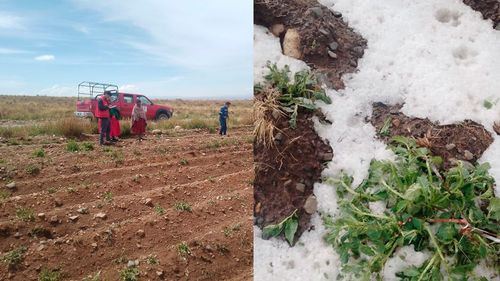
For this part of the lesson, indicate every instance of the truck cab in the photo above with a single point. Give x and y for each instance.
(89, 92)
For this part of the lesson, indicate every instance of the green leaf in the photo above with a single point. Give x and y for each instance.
(366, 250)
(272, 230)
(400, 206)
(446, 232)
(494, 208)
(290, 228)
(413, 192)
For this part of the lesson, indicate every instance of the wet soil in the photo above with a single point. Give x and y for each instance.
(463, 141)
(318, 28)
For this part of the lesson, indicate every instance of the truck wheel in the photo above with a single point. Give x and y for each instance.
(162, 116)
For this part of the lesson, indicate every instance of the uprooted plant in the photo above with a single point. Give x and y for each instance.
(289, 226)
(280, 95)
(452, 215)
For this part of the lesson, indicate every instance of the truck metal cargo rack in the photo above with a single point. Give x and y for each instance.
(90, 89)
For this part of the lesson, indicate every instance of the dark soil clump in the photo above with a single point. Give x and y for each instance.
(490, 9)
(464, 141)
(285, 173)
(328, 45)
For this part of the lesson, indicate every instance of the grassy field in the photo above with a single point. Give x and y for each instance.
(24, 116)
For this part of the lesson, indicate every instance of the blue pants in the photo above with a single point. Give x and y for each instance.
(105, 130)
(223, 126)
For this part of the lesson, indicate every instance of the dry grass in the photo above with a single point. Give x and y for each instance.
(265, 109)
(24, 116)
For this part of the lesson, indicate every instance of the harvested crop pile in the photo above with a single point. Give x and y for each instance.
(313, 33)
(451, 218)
(465, 141)
(288, 153)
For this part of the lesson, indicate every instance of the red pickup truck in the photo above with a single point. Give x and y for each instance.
(88, 92)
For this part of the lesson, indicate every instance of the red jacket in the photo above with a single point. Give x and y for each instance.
(102, 113)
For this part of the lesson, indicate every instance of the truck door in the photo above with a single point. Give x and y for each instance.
(127, 105)
(146, 103)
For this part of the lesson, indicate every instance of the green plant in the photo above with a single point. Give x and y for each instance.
(487, 104)
(229, 230)
(95, 277)
(129, 274)
(152, 260)
(25, 214)
(88, 146)
(33, 169)
(303, 91)
(116, 156)
(50, 275)
(453, 215)
(108, 196)
(51, 190)
(13, 258)
(39, 153)
(289, 225)
(159, 210)
(183, 207)
(183, 250)
(4, 194)
(72, 146)
(183, 162)
(386, 127)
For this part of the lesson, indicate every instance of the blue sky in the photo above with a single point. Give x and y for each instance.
(164, 49)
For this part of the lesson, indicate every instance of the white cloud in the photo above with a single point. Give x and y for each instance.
(213, 34)
(9, 51)
(45, 58)
(9, 22)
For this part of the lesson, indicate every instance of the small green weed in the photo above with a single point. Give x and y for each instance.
(386, 128)
(129, 274)
(183, 207)
(88, 146)
(50, 275)
(25, 214)
(72, 146)
(33, 169)
(183, 162)
(108, 196)
(152, 260)
(13, 258)
(183, 250)
(39, 153)
(159, 210)
(289, 225)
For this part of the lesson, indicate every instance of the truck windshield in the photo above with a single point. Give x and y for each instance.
(144, 100)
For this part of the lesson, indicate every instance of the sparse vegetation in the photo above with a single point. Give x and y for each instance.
(182, 207)
(50, 275)
(33, 169)
(229, 230)
(4, 194)
(183, 250)
(13, 258)
(183, 162)
(72, 146)
(108, 196)
(152, 260)
(129, 274)
(39, 153)
(88, 146)
(159, 210)
(25, 214)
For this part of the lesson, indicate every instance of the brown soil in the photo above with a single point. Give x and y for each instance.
(464, 141)
(317, 27)
(296, 159)
(490, 9)
(212, 175)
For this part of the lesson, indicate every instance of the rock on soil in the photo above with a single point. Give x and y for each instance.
(100, 216)
(464, 141)
(11, 185)
(317, 28)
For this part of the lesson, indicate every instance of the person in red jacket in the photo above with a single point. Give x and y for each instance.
(102, 113)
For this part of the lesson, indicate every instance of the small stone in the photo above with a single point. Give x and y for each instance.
(468, 155)
(82, 210)
(148, 202)
(11, 185)
(333, 46)
(100, 216)
(326, 156)
(288, 182)
(156, 132)
(140, 233)
(332, 54)
(54, 219)
(396, 122)
(277, 29)
(311, 204)
(337, 14)
(353, 63)
(73, 218)
(159, 274)
(41, 216)
(300, 187)
(291, 44)
(278, 137)
(358, 51)
(130, 263)
(17, 235)
(94, 245)
(40, 248)
(450, 146)
(58, 202)
(316, 11)
(257, 208)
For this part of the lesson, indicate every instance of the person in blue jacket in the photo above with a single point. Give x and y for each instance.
(223, 116)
